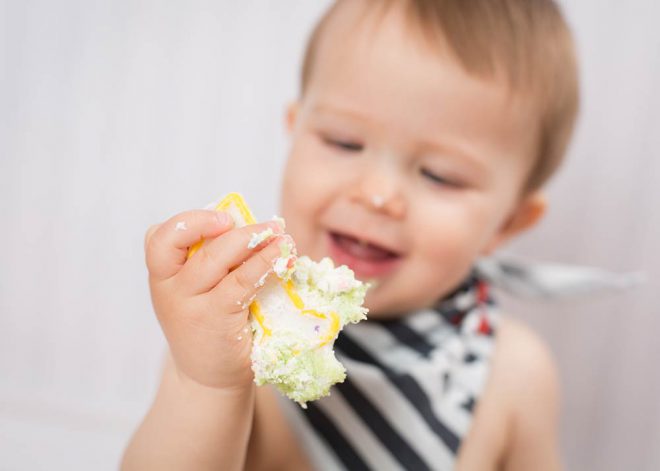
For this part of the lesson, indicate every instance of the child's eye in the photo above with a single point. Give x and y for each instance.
(347, 146)
(438, 179)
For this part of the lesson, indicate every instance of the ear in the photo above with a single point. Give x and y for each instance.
(291, 116)
(527, 213)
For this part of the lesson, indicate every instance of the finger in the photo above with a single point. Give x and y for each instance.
(239, 288)
(149, 233)
(166, 246)
(215, 259)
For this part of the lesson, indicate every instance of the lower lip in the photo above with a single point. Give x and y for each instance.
(364, 269)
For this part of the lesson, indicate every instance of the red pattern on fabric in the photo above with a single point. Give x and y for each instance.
(484, 326)
(482, 298)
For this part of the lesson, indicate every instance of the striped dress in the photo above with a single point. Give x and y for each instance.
(411, 388)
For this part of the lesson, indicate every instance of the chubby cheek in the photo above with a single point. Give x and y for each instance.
(443, 261)
(296, 208)
(306, 192)
(443, 256)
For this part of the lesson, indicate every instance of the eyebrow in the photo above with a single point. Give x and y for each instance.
(324, 108)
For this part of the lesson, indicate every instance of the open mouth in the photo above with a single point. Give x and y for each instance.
(367, 259)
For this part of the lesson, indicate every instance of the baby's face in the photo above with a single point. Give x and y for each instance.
(402, 166)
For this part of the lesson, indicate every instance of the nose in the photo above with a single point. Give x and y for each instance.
(379, 189)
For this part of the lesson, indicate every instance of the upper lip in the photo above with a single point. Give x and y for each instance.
(377, 241)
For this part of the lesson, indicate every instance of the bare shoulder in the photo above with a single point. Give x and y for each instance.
(524, 364)
(526, 375)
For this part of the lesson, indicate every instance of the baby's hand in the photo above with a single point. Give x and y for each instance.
(202, 302)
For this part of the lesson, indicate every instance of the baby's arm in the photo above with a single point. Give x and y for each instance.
(515, 421)
(191, 426)
(202, 415)
(530, 383)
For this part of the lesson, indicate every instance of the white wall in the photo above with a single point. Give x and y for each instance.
(116, 114)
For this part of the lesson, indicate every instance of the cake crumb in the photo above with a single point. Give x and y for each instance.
(259, 237)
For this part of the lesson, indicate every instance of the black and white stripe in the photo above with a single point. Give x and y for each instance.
(412, 385)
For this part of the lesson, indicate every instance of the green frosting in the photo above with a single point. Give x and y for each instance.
(300, 371)
(299, 366)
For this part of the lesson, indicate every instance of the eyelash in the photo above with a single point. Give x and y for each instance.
(354, 147)
(438, 180)
(345, 146)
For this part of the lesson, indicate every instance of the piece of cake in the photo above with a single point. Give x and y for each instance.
(295, 322)
(297, 316)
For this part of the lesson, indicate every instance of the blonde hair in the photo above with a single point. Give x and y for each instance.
(526, 41)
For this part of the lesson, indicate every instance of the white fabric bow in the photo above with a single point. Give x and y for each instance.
(550, 280)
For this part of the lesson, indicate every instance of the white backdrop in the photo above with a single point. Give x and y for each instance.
(116, 114)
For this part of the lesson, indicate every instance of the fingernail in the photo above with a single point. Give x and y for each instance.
(288, 240)
(280, 222)
(276, 227)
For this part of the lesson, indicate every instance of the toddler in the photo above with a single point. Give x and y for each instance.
(420, 141)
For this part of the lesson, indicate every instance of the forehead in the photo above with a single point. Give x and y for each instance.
(373, 62)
